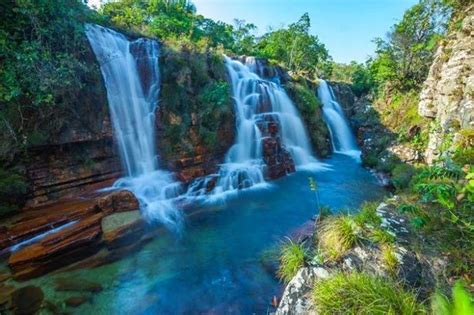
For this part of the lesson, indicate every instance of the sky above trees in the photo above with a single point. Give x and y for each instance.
(347, 28)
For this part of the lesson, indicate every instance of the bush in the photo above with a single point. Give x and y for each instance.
(402, 175)
(336, 235)
(292, 257)
(359, 293)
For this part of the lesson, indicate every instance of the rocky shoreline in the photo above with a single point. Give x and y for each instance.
(416, 271)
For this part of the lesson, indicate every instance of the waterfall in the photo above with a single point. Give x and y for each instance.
(257, 102)
(343, 140)
(131, 73)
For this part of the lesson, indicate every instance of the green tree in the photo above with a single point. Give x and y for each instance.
(296, 49)
(404, 57)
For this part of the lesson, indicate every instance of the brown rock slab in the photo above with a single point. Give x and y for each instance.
(118, 201)
(57, 250)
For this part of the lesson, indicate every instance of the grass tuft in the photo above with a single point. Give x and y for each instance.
(337, 235)
(292, 257)
(359, 293)
(389, 259)
(368, 215)
(381, 236)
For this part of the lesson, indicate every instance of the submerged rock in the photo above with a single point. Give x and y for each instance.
(27, 300)
(76, 284)
(118, 227)
(75, 301)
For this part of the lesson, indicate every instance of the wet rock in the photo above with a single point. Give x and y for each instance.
(297, 296)
(27, 300)
(77, 285)
(75, 301)
(6, 292)
(56, 250)
(120, 228)
(118, 201)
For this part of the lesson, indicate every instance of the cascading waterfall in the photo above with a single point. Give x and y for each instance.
(131, 73)
(256, 101)
(343, 140)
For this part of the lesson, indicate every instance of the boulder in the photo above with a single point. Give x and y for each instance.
(297, 296)
(121, 228)
(27, 300)
(118, 201)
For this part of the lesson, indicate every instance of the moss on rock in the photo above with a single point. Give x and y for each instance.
(309, 106)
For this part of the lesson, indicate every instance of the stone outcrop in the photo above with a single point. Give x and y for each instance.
(414, 270)
(70, 231)
(448, 93)
(277, 159)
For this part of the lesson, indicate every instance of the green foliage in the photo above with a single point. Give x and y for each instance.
(45, 70)
(402, 175)
(404, 58)
(368, 215)
(177, 21)
(460, 304)
(389, 259)
(296, 49)
(195, 98)
(292, 257)
(381, 236)
(336, 235)
(13, 187)
(359, 293)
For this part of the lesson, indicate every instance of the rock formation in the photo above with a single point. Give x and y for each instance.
(448, 93)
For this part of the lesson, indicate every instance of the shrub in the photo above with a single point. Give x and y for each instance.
(460, 304)
(292, 257)
(402, 175)
(359, 293)
(337, 235)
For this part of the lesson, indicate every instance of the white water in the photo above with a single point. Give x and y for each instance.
(132, 101)
(343, 140)
(244, 165)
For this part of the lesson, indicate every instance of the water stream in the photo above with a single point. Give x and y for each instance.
(218, 265)
(257, 101)
(342, 137)
(131, 73)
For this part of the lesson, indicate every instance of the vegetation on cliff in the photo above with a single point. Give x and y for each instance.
(47, 73)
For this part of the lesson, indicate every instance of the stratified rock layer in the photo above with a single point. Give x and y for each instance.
(448, 93)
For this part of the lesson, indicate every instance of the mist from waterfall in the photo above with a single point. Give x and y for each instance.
(131, 73)
(256, 100)
(343, 140)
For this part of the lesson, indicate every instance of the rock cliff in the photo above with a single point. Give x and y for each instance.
(448, 93)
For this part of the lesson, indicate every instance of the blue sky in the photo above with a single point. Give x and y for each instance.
(346, 27)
